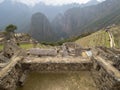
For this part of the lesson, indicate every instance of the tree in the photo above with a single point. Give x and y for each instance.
(11, 28)
(9, 31)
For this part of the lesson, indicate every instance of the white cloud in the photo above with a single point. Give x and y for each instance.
(60, 2)
(101, 0)
(50, 2)
(27, 2)
(1, 1)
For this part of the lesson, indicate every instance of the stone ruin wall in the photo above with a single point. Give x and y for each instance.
(17, 74)
(104, 79)
(10, 49)
(11, 80)
(58, 67)
(12, 72)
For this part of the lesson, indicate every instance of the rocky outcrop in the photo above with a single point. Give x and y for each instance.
(40, 28)
(58, 26)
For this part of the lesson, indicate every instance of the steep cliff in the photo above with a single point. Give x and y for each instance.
(40, 28)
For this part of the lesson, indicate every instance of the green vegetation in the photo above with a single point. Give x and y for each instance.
(9, 31)
(11, 28)
(26, 46)
(100, 38)
(116, 34)
(72, 39)
(1, 47)
(111, 18)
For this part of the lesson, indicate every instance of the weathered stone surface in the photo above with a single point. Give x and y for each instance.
(3, 59)
(42, 52)
(10, 48)
(11, 78)
(57, 64)
(105, 75)
(22, 79)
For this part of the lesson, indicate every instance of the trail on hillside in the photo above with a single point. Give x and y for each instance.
(112, 42)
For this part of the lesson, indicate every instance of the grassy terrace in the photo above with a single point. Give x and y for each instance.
(116, 34)
(1, 47)
(28, 46)
(100, 38)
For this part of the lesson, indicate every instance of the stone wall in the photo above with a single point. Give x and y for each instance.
(105, 75)
(10, 49)
(10, 80)
(57, 67)
(11, 74)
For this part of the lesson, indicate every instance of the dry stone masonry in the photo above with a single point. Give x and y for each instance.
(67, 58)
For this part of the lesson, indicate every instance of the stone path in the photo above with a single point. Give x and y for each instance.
(56, 60)
(112, 42)
(9, 66)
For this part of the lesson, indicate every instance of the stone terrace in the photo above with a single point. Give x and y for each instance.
(57, 64)
(105, 74)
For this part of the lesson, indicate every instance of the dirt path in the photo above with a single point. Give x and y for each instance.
(9, 66)
(112, 42)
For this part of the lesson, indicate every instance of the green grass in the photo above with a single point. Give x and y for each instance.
(1, 47)
(100, 38)
(26, 46)
(116, 34)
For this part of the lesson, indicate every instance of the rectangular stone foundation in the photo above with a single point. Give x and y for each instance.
(104, 74)
(58, 67)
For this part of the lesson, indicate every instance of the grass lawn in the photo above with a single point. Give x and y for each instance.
(100, 38)
(1, 47)
(26, 46)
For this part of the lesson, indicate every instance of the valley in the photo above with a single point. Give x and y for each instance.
(59, 45)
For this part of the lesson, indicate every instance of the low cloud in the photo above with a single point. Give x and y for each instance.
(50, 2)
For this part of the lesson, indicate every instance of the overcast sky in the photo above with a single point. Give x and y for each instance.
(50, 2)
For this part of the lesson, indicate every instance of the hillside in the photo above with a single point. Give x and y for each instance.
(101, 38)
(16, 12)
(112, 18)
(60, 22)
(77, 20)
